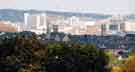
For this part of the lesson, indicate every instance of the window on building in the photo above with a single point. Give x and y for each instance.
(113, 27)
(103, 27)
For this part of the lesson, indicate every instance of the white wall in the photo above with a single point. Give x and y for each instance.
(130, 26)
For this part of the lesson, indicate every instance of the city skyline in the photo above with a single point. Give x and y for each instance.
(94, 6)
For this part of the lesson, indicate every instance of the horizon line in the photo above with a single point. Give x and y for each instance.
(67, 10)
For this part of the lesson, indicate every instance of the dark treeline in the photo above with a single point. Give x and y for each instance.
(24, 52)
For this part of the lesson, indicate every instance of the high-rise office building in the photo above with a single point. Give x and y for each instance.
(76, 25)
(35, 22)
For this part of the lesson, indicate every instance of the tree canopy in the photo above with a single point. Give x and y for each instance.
(25, 53)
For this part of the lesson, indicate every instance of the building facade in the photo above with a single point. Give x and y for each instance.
(35, 22)
(43, 23)
(76, 25)
(113, 26)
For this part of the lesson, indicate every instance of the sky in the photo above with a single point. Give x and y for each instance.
(94, 6)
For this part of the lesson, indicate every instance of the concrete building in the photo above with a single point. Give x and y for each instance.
(71, 25)
(112, 26)
(94, 29)
(116, 26)
(76, 25)
(43, 23)
(35, 23)
(130, 26)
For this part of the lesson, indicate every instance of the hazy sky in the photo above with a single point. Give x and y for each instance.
(98, 6)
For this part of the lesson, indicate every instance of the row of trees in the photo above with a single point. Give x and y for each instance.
(23, 53)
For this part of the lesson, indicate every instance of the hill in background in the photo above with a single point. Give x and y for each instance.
(18, 15)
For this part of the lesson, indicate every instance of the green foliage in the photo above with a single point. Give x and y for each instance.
(25, 53)
(130, 64)
(75, 58)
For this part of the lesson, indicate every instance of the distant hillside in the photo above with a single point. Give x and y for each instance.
(14, 15)
(131, 16)
(94, 16)
(18, 15)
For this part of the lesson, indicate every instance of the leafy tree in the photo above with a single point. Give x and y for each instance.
(130, 64)
(75, 58)
(113, 59)
(117, 69)
(25, 53)
(6, 49)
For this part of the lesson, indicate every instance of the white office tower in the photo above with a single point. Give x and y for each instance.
(74, 25)
(35, 23)
(113, 26)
